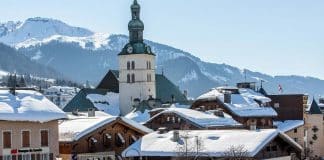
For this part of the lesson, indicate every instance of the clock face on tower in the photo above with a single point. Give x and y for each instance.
(130, 49)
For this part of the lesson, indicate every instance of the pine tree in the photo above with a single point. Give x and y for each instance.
(22, 82)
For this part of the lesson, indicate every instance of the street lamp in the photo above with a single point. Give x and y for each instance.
(133, 149)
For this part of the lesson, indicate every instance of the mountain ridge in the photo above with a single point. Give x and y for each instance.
(89, 57)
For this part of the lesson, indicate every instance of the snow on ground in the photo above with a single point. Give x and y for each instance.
(200, 118)
(28, 105)
(75, 127)
(108, 103)
(288, 125)
(155, 144)
(242, 105)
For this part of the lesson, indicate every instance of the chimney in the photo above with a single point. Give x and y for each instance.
(227, 97)
(253, 126)
(91, 112)
(151, 102)
(219, 113)
(75, 112)
(176, 136)
(162, 130)
(136, 102)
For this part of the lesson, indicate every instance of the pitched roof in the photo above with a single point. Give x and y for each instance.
(28, 105)
(288, 125)
(76, 127)
(165, 89)
(314, 108)
(81, 102)
(162, 145)
(199, 119)
(242, 105)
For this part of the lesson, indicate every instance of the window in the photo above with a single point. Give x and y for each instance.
(6, 139)
(44, 138)
(128, 65)
(128, 78)
(25, 157)
(149, 78)
(148, 65)
(133, 78)
(107, 139)
(7, 157)
(119, 140)
(296, 139)
(276, 105)
(44, 156)
(274, 148)
(295, 130)
(133, 65)
(25, 139)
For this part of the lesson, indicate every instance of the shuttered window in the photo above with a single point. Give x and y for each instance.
(25, 139)
(6, 139)
(44, 138)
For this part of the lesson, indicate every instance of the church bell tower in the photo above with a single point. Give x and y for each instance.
(136, 65)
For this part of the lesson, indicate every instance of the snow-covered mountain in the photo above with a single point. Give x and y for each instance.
(38, 29)
(83, 55)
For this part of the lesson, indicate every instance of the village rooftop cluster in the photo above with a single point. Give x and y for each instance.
(135, 113)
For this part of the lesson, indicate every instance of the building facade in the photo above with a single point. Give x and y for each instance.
(100, 136)
(136, 65)
(28, 126)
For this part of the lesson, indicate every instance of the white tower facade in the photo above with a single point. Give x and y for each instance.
(136, 66)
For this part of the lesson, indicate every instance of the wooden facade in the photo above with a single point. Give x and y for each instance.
(111, 138)
(289, 107)
(260, 122)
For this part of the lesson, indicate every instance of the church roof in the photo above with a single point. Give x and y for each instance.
(165, 89)
(314, 108)
(81, 102)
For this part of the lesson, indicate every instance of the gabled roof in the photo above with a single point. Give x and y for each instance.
(288, 125)
(76, 127)
(215, 142)
(81, 102)
(28, 106)
(242, 105)
(199, 119)
(314, 108)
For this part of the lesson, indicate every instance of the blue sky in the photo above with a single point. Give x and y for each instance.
(275, 37)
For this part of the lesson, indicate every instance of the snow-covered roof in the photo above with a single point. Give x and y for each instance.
(288, 125)
(78, 126)
(241, 105)
(108, 103)
(62, 89)
(28, 105)
(254, 95)
(215, 142)
(201, 119)
(138, 116)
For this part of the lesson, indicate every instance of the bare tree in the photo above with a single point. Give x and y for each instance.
(236, 153)
(188, 147)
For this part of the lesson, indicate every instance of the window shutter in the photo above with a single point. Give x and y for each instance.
(26, 138)
(44, 138)
(6, 139)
